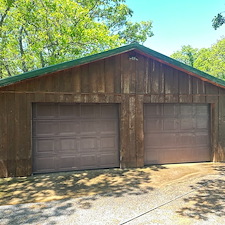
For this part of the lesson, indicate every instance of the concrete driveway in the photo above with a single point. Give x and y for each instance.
(197, 197)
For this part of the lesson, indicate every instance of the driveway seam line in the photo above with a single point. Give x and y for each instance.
(180, 196)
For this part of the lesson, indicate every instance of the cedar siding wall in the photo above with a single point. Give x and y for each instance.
(116, 79)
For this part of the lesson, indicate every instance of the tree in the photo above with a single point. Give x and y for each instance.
(210, 60)
(218, 21)
(39, 33)
(186, 55)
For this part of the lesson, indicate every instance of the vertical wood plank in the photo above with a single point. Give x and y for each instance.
(101, 76)
(85, 79)
(128, 74)
(124, 132)
(139, 131)
(110, 74)
(212, 93)
(198, 90)
(161, 83)
(45, 83)
(76, 74)
(215, 155)
(155, 78)
(221, 126)
(132, 129)
(3, 137)
(171, 85)
(146, 85)
(28, 143)
(20, 140)
(141, 78)
(117, 75)
(21, 86)
(150, 69)
(155, 81)
(65, 81)
(93, 77)
(184, 88)
(10, 117)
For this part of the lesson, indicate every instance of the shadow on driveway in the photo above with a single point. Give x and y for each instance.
(55, 186)
(209, 198)
(36, 214)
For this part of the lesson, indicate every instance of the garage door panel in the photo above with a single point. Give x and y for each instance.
(106, 159)
(108, 142)
(67, 163)
(202, 139)
(45, 164)
(68, 145)
(202, 110)
(170, 110)
(187, 110)
(44, 128)
(170, 124)
(155, 140)
(75, 136)
(187, 124)
(88, 127)
(201, 123)
(88, 143)
(89, 161)
(44, 146)
(68, 128)
(152, 110)
(184, 136)
(154, 124)
(185, 139)
(108, 111)
(88, 111)
(68, 111)
(107, 126)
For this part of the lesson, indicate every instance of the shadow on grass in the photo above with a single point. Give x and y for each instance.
(209, 198)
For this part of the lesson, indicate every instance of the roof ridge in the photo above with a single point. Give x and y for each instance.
(98, 56)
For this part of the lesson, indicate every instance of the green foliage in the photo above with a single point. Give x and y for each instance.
(210, 60)
(186, 55)
(38, 33)
(218, 21)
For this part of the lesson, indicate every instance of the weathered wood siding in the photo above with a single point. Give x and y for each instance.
(117, 79)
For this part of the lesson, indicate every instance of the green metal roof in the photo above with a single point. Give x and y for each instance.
(102, 55)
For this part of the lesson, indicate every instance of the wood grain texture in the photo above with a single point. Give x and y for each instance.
(124, 133)
(139, 131)
(3, 138)
(10, 132)
(132, 131)
(118, 79)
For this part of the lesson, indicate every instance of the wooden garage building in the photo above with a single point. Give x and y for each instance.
(127, 107)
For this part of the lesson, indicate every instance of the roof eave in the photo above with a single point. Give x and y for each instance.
(99, 56)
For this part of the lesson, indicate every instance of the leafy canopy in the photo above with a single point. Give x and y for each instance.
(210, 60)
(218, 21)
(38, 33)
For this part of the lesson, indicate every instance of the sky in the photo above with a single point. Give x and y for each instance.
(179, 22)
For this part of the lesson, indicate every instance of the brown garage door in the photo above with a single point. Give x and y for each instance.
(74, 136)
(176, 133)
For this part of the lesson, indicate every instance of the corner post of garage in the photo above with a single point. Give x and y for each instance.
(131, 132)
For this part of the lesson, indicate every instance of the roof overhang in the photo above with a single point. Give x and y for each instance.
(134, 46)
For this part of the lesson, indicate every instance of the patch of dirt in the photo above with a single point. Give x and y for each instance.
(108, 182)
